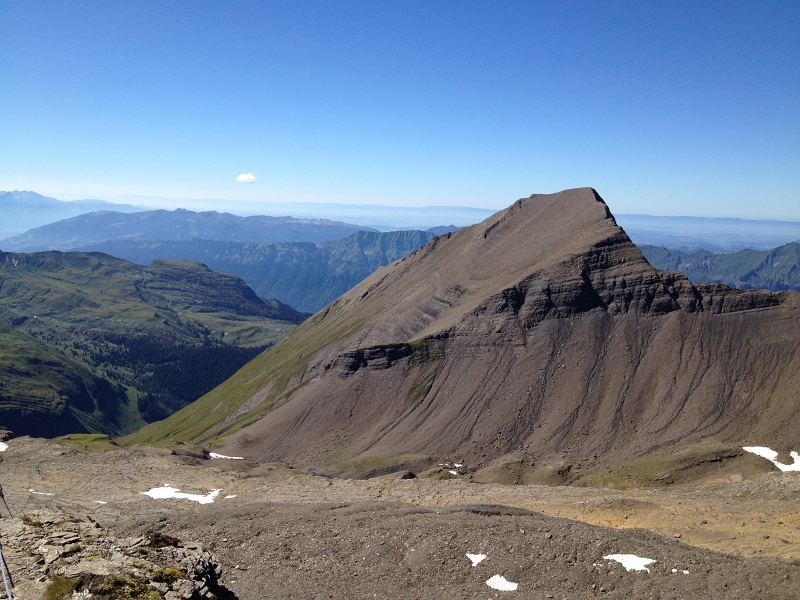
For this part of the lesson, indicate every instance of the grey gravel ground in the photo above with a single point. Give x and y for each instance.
(288, 534)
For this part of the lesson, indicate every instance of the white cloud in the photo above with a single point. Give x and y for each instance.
(247, 178)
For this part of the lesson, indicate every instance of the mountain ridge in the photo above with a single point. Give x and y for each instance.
(776, 269)
(540, 337)
(304, 275)
(24, 210)
(179, 224)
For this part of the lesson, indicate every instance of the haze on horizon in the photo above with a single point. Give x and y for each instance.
(673, 109)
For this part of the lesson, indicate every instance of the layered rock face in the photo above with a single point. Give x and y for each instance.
(541, 333)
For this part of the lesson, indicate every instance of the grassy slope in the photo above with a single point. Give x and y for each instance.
(90, 313)
(53, 393)
(211, 415)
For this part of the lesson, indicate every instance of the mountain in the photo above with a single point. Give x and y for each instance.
(180, 224)
(92, 343)
(777, 269)
(26, 210)
(690, 234)
(538, 345)
(304, 275)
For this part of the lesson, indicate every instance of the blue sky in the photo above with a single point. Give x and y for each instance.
(667, 108)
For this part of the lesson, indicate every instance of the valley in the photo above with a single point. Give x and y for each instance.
(94, 343)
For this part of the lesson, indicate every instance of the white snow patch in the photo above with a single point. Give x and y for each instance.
(458, 465)
(684, 572)
(99, 502)
(476, 558)
(215, 455)
(772, 457)
(631, 562)
(229, 497)
(40, 493)
(498, 582)
(167, 491)
(3, 446)
(453, 472)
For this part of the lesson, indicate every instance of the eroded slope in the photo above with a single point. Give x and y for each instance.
(540, 336)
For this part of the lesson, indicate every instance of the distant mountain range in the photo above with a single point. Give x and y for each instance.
(776, 269)
(22, 211)
(92, 343)
(690, 234)
(175, 225)
(304, 275)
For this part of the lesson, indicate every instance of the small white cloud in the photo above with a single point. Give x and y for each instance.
(247, 178)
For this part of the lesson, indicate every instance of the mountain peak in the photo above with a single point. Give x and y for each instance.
(538, 336)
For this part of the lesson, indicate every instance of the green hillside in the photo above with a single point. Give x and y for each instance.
(304, 275)
(777, 269)
(92, 343)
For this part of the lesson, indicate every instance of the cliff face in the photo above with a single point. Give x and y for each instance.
(540, 334)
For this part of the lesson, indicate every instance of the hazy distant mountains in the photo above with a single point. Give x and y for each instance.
(306, 276)
(690, 234)
(777, 269)
(22, 211)
(176, 225)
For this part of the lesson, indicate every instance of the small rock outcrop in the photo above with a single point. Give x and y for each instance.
(70, 557)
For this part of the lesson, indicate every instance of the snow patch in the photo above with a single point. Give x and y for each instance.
(684, 572)
(458, 465)
(3, 446)
(498, 582)
(99, 502)
(476, 558)
(631, 562)
(167, 491)
(215, 455)
(231, 496)
(772, 457)
(453, 472)
(40, 493)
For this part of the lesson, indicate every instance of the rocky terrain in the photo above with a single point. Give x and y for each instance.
(274, 532)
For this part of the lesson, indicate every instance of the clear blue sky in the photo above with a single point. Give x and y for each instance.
(671, 108)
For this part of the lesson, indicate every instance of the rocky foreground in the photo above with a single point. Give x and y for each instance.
(80, 524)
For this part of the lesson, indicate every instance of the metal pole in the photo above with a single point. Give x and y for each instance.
(6, 576)
(3, 498)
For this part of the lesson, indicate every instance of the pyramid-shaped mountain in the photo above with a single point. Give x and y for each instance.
(538, 337)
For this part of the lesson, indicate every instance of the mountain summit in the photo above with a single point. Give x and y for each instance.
(540, 340)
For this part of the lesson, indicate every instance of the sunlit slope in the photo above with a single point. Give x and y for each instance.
(540, 337)
(407, 300)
